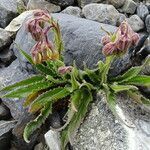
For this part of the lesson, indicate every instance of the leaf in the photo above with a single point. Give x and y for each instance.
(45, 70)
(27, 56)
(53, 80)
(132, 72)
(77, 118)
(26, 90)
(138, 97)
(35, 124)
(111, 98)
(141, 80)
(25, 82)
(74, 82)
(92, 75)
(104, 71)
(49, 96)
(120, 88)
(30, 99)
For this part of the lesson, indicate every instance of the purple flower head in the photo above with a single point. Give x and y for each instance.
(64, 69)
(120, 41)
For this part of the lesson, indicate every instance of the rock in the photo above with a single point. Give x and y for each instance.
(5, 135)
(40, 146)
(52, 139)
(136, 23)
(4, 112)
(121, 18)
(82, 3)
(147, 22)
(16, 23)
(81, 44)
(18, 141)
(142, 11)
(129, 130)
(8, 11)
(129, 7)
(10, 75)
(102, 13)
(6, 55)
(62, 2)
(42, 4)
(117, 3)
(75, 11)
(5, 39)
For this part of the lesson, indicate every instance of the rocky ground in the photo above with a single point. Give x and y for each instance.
(80, 22)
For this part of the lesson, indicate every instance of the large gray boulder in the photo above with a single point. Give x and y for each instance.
(82, 42)
(8, 11)
(101, 130)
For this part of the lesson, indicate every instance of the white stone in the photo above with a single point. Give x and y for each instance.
(52, 140)
(136, 23)
(102, 13)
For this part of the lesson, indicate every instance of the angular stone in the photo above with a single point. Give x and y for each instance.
(121, 18)
(52, 139)
(4, 112)
(147, 22)
(116, 3)
(5, 134)
(6, 55)
(82, 3)
(75, 11)
(8, 11)
(102, 13)
(62, 2)
(142, 11)
(16, 23)
(42, 4)
(5, 38)
(129, 7)
(136, 23)
(129, 129)
(10, 75)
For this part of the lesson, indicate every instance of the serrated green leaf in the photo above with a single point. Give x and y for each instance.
(53, 80)
(132, 72)
(30, 98)
(141, 80)
(74, 82)
(77, 118)
(111, 100)
(138, 97)
(92, 75)
(119, 88)
(49, 96)
(26, 90)
(27, 56)
(25, 82)
(45, 70)
(35, 124)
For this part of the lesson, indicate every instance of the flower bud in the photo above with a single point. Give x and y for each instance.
(65, 69)
(105, 39)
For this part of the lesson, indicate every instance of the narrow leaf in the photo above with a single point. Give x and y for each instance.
(49, 96)
(26, 90)
(25, 82)
(141, 80)
(119, 88)
(27, 56)
(35, 124)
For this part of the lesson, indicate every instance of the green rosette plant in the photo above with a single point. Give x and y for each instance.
(56, 82)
